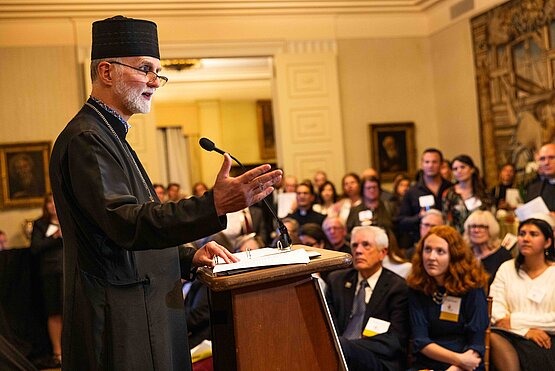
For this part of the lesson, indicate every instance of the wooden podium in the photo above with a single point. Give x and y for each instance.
(274, 318)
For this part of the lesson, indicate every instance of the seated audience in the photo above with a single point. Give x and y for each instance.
(524, 303)
(431, 218)
(173, 192)
(320, 177)
(445, 170)
(160, 192)
(312, 234)
(350, 197)
(336, 232)
(430, 183)
(447, 303)
(248, 242)
(372, 210)
(3, 241)
(47, 244)
(481, 231)
(506, 180)
(365, 295)
(468, 193)
(290, 183)
(199, 189)
(305, 199)
(384, 195)
(292, 228)
(393, 260)
(544, 187)
(327, 197)
(401, 184)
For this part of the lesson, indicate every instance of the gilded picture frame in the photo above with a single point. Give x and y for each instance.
(25, 174)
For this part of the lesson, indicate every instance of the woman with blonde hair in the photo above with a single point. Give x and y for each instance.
(481, 231)
(447, 303)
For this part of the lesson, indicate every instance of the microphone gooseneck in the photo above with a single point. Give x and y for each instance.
(285, 239)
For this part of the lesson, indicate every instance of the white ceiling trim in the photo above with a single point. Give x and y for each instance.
(17, 9)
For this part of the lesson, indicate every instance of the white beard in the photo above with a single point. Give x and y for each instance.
(132, 97)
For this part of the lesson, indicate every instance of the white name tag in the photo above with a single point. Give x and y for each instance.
(365, 217)
(472, 203)
(51, 230)
(450, 309)
(375, 326)
(426, 201)
(536, 294)
(509, 241)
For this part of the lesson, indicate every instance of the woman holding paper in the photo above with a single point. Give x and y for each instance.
(468, 193)
(447, 303)
(524, 303)
(46, 243)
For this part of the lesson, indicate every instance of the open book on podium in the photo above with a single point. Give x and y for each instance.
(272, 314)
(260, 258)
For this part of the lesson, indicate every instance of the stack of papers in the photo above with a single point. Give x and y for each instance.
(259, 258)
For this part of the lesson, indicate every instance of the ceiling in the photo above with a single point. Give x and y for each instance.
(86, 8)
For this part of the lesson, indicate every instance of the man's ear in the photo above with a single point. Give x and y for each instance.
(104, 73)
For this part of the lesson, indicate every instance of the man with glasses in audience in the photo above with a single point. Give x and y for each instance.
(545, 187)
(336, 232)
(369, 305)
(123, 307)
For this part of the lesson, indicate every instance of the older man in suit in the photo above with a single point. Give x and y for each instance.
(369, 305)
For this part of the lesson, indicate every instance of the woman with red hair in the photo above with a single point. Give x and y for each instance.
(447, 303)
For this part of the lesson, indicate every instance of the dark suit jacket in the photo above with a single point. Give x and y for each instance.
(542, 188)
(388, 302)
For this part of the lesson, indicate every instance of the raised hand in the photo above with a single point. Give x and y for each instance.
(234, 194)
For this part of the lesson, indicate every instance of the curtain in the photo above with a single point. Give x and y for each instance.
(176, 166)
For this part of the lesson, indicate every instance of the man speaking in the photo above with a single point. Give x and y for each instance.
(123, 308)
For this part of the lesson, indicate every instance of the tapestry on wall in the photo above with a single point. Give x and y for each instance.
(514, 51)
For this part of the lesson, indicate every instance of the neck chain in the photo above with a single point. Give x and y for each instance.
(438, 297)
(125, 149)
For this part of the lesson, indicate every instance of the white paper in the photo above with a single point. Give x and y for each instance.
(52, 228)
(512, 197)
(526, 211)
(266, 257)
(375, 326)
(426, 201)
(365, 215)
(285, 201)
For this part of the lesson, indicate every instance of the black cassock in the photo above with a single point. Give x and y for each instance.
(123, 307)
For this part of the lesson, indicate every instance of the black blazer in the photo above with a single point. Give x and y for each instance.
(389, 302)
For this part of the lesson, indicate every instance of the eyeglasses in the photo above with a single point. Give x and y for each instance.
(151, 75)
(478, 226)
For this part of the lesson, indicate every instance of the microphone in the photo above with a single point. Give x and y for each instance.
(284, 242)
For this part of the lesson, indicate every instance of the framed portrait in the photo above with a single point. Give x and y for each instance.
(24, 169)
(266, 137)
(393, 149)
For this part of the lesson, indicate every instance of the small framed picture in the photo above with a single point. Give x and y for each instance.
(24, 169)
(393, 149)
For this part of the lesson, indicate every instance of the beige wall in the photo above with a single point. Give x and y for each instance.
(42, 93)
(455, 92)
(385, 80)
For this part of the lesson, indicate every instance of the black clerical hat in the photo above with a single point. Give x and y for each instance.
(124, 37)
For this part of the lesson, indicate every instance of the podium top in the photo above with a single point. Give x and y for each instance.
(327, 261)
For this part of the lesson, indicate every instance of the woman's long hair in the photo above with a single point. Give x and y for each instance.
(547, 232)
(463, 273)
(478, 186)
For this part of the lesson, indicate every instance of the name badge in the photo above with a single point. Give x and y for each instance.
(450, 309)
(536, 294)
(365, 217)
(509, 241)
(375, 326)
(472, 203)
(426, 201)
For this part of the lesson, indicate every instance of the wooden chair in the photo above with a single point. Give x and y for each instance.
(488, 335)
